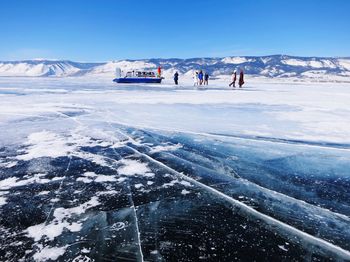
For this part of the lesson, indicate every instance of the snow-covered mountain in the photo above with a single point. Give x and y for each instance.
(43, 68)
(281, 66)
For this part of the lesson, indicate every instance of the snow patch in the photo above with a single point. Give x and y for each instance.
(104, 178)
(43, 193)
(60, 221)
(3, 201)
(49, 253)
(162, 148)
(8, 164)
(137, 186)
(91, 176)
(82, 258)
(85, 180)
(15, 182)
(45, 144)
(132, 168)
(185, 192)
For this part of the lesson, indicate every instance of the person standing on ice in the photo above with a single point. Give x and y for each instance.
(195, 78)
(176, 78)
(206, 78)
(241, 79)
(159, 71)
(200, 77)
(234, 78)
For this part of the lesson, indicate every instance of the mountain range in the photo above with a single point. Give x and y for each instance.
(274, 66)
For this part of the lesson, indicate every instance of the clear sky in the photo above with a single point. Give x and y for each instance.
(100, 30)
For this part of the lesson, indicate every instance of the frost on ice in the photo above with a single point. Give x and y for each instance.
(185, 177)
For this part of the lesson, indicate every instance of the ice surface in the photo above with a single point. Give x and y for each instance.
(162, 173)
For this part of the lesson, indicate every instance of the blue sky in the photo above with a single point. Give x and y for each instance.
(100, 30)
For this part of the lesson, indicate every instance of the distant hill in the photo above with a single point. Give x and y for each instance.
(280, 66)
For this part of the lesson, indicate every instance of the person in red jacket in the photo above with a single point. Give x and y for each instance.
(241, 79)
(159, 71)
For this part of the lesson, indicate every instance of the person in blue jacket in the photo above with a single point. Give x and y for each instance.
(176, 78)
(200, 77)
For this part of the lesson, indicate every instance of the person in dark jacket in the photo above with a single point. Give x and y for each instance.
(176, 78)
(206, 78)
(234, 78)
(241, 79)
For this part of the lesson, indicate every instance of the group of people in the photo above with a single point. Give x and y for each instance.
(201, 78)
(234, 79)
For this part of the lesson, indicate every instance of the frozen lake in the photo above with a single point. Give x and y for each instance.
(91, 171)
